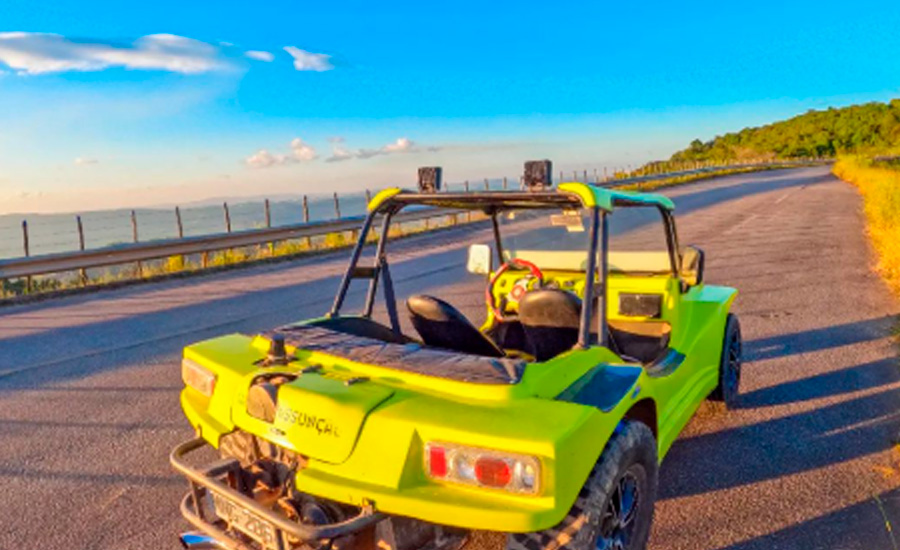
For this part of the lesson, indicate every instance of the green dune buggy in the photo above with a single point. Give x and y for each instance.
(546, 424)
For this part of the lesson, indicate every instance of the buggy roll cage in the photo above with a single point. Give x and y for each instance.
(571, 195)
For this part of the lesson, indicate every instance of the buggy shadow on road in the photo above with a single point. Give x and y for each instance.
(844, 529)
(792, 444)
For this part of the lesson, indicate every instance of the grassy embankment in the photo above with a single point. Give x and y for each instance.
(180, 265)
(879, 185)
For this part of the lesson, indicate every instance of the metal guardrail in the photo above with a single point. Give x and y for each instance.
(154, 250)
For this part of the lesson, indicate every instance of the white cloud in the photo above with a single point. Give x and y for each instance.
(300, 152)
(38, 53)
(264, 159)
(260, 56)
(82, 161)
(402, 145)
(338, 151)
(308, 61)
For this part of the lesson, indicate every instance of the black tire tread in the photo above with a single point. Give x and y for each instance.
(578, 530)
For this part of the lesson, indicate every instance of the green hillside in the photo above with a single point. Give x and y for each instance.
(867, 128)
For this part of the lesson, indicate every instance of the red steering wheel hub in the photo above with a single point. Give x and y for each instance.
(518, 290)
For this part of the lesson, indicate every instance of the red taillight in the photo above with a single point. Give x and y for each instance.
(437, 461)
(454, 463)
(493, 472)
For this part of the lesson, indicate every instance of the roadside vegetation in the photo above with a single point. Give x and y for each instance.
(878, 182)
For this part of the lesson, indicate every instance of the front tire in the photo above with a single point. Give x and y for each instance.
(614, 510)
(730, 364)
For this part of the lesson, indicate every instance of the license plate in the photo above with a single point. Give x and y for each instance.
(245, 521)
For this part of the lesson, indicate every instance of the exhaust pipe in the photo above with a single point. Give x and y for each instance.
(199, 541)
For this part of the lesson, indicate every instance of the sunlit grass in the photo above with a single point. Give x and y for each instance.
(880, 189)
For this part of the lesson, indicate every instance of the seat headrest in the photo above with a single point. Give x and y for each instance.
(433, 309)
(550, 307)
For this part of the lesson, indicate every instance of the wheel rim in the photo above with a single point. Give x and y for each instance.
(619, 518)
(733, 367)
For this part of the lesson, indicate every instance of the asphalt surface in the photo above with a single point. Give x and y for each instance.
(89, 384)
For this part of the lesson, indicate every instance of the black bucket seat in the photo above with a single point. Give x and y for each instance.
(442, 325)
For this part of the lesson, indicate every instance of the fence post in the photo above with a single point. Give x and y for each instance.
(134, 235)
(487, 185)
(178, 223)
(368, 198)
(605, 174)
(574, 175)
(182, 263)
(562, 178)
(468, 212)
(82, 273)
(268, 212)
(307, 241)
(227, 217)
(337, 206)
(505, 186)
(28, 286)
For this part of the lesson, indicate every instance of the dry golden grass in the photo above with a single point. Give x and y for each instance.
(880, 189)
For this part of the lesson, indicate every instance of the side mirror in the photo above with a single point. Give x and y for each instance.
(692, 266)
(479, 261)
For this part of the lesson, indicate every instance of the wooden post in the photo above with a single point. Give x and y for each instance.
(585, 177)
(574, 175)
(28, 286)
(505, 186)
(306, 240)
(337, 206)
(134, 235)
(562, 178)
(487, 185)
(178, 223)
(227, 217)
(180, 227)
(595, 176)
(368, 198)
(268, 213)
(468, 212)
(82, 273)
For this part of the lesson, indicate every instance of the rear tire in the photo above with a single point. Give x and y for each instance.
(730, 364)
(614, 510)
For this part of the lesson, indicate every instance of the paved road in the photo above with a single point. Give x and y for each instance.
(89, 384)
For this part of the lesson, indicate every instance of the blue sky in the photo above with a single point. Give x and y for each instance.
(106, 104)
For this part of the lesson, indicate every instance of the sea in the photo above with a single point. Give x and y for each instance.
(53, 233)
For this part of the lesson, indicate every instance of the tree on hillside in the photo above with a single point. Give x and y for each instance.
(871, 128)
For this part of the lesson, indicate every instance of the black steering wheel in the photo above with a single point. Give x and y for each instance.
(517, 290)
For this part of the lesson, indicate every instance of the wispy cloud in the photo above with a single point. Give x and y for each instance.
(268, 57)
(300, 152)
(400, 145)
(39, 53)
(303, 152)
(308, 61)
(339, 152)
(82, 161)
